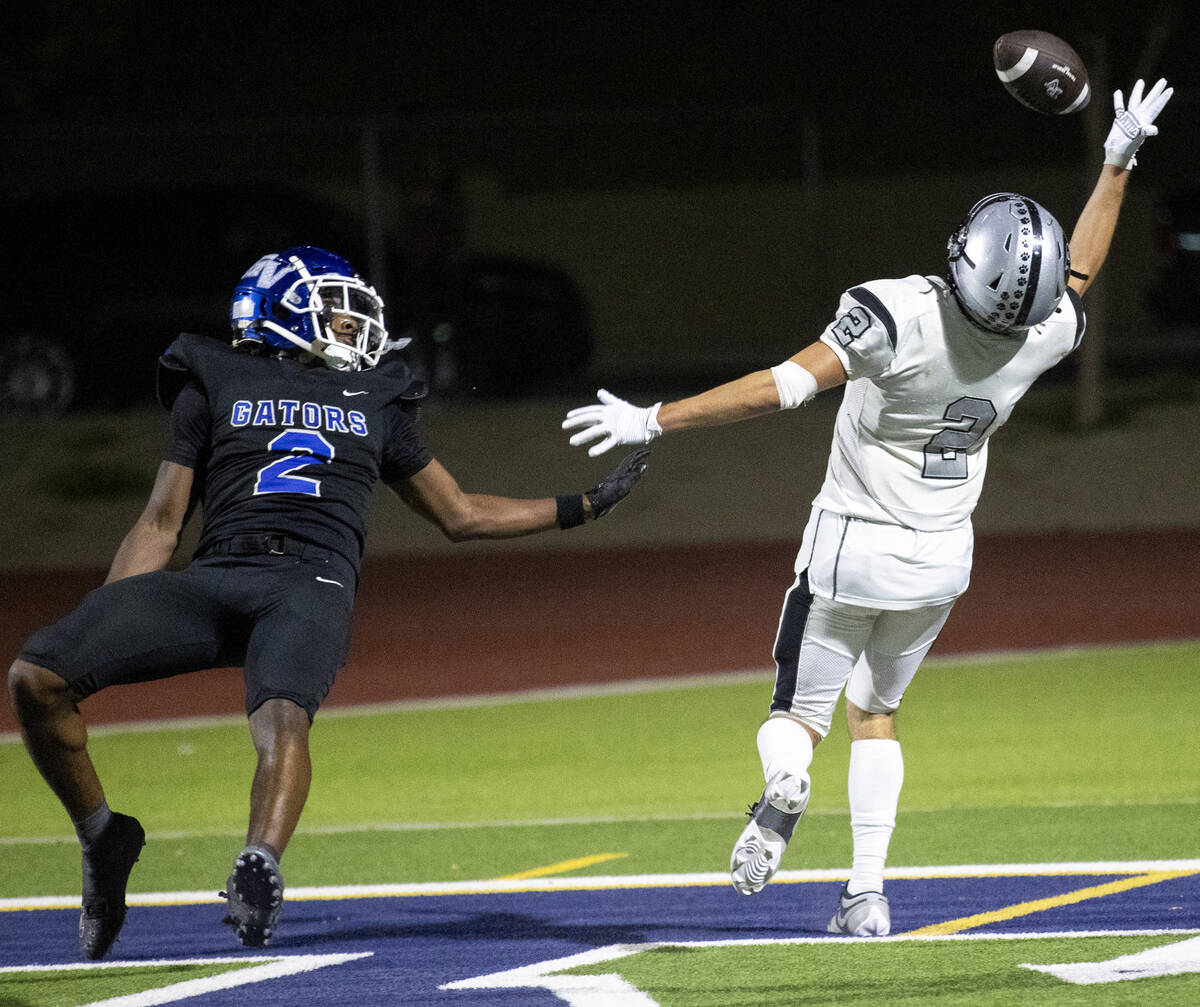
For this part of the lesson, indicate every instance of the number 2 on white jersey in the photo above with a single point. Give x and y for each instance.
(946, 451)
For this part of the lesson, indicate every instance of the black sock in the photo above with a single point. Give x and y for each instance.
(89, 829)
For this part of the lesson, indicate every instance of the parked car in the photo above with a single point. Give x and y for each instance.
(510, 326)
(105, 280)
(1174, 297)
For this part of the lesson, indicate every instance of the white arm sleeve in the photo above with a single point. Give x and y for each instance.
(794, 384)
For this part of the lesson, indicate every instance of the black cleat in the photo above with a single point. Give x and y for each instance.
(255, 895)
(106, 867)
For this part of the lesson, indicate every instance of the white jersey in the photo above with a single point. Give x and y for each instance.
(926, 389)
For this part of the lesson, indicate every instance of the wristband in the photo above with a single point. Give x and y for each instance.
(570, 510)
(652, 428)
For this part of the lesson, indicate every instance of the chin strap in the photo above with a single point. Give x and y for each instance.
(336, 356)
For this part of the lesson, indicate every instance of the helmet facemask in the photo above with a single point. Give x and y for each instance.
(347, 317)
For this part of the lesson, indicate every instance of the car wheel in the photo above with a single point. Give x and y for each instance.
(37, 377)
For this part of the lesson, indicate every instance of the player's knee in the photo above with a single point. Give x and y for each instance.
(813, 732)
(279, 723)
(865, 724)
(33, 691)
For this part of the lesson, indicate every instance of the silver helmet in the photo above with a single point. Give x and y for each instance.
(1008, 263)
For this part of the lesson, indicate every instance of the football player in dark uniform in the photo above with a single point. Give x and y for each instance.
(281, 437)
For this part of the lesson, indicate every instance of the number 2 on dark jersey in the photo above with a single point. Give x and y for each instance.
(304, 447)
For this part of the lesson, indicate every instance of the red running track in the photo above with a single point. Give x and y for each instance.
(442, 625)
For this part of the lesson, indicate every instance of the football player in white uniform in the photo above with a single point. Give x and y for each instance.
(933, 367)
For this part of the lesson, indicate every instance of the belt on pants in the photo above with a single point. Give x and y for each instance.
(266, 545)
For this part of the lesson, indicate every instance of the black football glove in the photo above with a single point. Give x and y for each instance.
(616, 486)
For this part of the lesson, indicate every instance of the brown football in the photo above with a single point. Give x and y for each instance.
(1041, 71)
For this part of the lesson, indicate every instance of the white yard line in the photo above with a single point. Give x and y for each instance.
(269, 967)
(622, 882)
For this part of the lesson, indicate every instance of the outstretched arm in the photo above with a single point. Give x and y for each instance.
(1093, 232)
(435, 494)
(614, 421)
(151, 542)
(1092, 237)
(755, 394)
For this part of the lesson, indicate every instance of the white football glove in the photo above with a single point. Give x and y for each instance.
(614, 420)
(1134, 122)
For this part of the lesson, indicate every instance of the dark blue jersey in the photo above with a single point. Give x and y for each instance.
(289, 448)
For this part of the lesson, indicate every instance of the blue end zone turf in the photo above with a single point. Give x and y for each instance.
(417, 944)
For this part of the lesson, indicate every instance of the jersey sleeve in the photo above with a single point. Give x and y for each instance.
(190, 425)
(863, 335)
(404, 454)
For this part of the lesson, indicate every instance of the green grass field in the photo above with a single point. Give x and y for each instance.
(1068, 756)
(947, 973)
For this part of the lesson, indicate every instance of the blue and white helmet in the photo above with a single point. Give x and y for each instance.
(289, 300)
(1008, 263)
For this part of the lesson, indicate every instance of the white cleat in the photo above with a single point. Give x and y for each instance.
(757, 852)
(863, 915)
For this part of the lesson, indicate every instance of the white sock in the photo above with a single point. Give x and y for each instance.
(784, 745)
(876, 776)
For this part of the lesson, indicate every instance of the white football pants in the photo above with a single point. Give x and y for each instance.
(823, 647)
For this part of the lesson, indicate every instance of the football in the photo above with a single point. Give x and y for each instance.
(1041, 71)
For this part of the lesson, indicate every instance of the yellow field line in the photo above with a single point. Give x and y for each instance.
(1039, 905)
(562, 866)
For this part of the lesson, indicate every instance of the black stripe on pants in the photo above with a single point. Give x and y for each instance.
(787, 643)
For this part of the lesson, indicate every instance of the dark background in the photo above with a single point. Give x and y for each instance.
(499, 83)
(585, 97)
